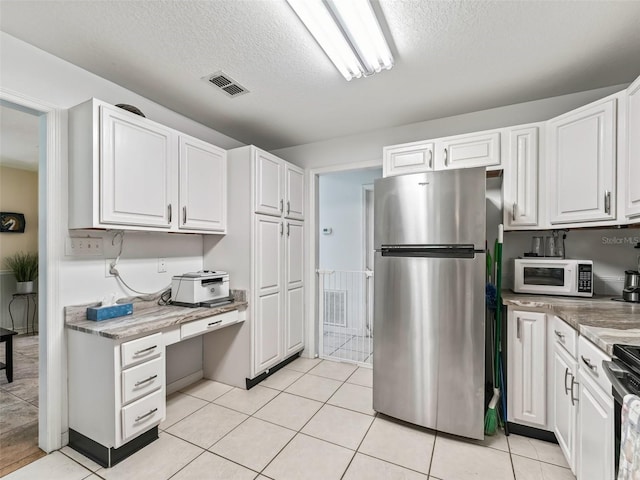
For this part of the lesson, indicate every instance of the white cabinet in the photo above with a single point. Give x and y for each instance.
(263, 252)
(116, 391)
(407, 158)
(565, 402)
(479, 149)
(203, 186)
(527, 360)
(521, 179)
(128, 172)
(632, 157)
(581, 155)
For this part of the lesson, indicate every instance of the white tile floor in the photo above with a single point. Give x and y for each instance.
(311, 420)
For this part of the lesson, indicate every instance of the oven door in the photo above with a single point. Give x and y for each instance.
(618, 374)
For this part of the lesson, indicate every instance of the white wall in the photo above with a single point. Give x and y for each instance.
(368, 146)
(341, 208)
(31, 72)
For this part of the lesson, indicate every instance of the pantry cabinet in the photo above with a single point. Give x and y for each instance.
(581, 156)
(128, 172)
(632, 157)
(527, 360)
(520, 187)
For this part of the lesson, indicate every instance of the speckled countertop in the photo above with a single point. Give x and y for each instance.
(148, 317)
(600, 319)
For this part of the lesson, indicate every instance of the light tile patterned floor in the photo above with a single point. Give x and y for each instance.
(311, 421)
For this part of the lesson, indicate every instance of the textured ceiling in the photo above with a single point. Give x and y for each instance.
(18, 139)
(451, 57)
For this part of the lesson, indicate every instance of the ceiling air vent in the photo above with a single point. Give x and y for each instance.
(225, 83)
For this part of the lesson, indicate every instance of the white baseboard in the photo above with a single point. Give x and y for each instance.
(184, 382)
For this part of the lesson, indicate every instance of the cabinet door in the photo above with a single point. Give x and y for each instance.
(633, 150)
(527, 368)
(581, 155)
(269, 233)
(137, 160)
(521, 184)
(407, 158)
(564, 404)
(595, 441)
(267, 325)
(269, 195)
(294, 188)
(294, 325)
(203, 186)
(294, 254)
(464, 151)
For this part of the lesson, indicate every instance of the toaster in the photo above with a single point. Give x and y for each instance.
(196, 288)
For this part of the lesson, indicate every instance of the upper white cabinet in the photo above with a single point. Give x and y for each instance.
(128, 172)
(527, 361)
(581, 155)
(520, 185)
(279, 186)
(481, 149)
(632, 157)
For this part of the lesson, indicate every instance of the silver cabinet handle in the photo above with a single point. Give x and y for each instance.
(281, 229)
(146, 380)
(446, 158)
(169, 211)
(213, 324)
(573, 383)
(150, 412)
(430, 158)
(184, 214)
(145, 350)
(518, 328)
(607, 202)
(587, 362)
(281, 205)
(560, 335)
(288, 225)
(513, 212)
(288, 207)
(566, 374)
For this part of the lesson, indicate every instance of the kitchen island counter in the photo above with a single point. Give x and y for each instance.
(603, 321)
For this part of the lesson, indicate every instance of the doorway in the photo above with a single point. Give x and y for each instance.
(345, 265)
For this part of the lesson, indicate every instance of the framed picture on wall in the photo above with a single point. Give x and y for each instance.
(11, 222)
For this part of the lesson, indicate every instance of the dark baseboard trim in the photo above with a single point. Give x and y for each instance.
(252, 382)
(105, 456)
(532, 432)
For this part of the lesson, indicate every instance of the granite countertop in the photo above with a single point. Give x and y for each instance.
(148, 317)
(600, 319)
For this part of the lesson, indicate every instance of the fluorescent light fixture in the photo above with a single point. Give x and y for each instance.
(348, 32)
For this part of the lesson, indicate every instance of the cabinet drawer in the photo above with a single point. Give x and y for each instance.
(142, 414)
(141, 349)
(590, 360)
(565, 335)
(208, 324)
(142, 379)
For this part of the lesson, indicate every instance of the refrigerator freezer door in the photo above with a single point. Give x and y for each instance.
(433, 208)
(428, 365)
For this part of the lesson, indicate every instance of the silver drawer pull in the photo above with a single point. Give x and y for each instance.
(288, 207)
(145, 350)
(213, 324)
(149, 413)
(587, 362)
(560, 335)
(146, 380)
(566, 374)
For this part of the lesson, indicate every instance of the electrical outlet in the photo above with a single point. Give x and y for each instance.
(107, 267)
(83, 246)
(162, 265)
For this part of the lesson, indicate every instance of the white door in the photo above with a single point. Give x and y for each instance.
(137, 164)
(269, 232)
(527, 367)
(521, 182)
(564, 371)
(269, 194)
(267, 325)
(464, 151)
(294, 232)
(632, 174)
(203, 186)
(294, 324)
(582, 163)
(294, 187)
(407, 158)
(595, 440)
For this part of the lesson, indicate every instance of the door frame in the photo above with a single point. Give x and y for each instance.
(313, 326)
(52, 411)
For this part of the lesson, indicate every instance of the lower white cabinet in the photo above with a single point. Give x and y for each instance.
(116, 388)
(565, 402)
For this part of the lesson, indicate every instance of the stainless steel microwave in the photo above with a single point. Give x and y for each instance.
(551, 276)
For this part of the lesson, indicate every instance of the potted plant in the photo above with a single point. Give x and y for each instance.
(25, 268)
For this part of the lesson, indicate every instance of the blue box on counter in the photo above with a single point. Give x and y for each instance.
(111, 311)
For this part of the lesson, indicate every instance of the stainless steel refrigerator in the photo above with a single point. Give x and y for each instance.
(429, 300)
